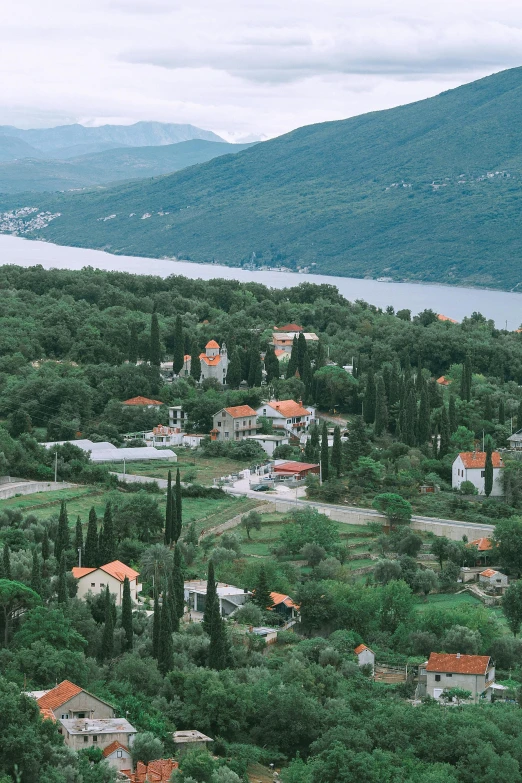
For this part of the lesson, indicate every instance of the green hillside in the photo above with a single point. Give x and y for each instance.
(429, 191)
(109, 166)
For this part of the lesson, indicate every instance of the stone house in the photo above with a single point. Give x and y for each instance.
(471, 466)
(365, 656)
(214, 362)
(287, 416)
(234, 423)
(230, 597)
(69, 701)
(188, 739)
(492, 578)
(95, 580)
(443, 671)
(118, 756)
(81, 734)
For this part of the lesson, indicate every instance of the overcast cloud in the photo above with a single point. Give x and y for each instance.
(242, 68)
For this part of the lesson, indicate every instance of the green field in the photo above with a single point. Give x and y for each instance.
(447, 601)
(200, 469)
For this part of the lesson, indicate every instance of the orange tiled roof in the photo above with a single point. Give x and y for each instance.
(142, 401)
(288, 408)
(455, 664)
(187, 357)
(119, 570)
(279, 598)
(294, 467)
(289, 328)
(210, 360)
(280, 352)
(47, 714)
(489, 572)
(482, 544)
(477, 459)
(112, 747)
(443, 381)
(358, 650)
(212, 344)
(158, 771)
(446, 318)
(58, 695)
(241, 410)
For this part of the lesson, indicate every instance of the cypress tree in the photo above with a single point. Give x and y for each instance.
(308, 378)
(424, 427)
(337, 451)
(78, 537)
(444, 433)
(195, 362)
(36, 574)
(292, 366)
(271, 365)
(91, 541)
(63, 540)
(211, 600)
(262, 596)
(107, 551)
(519, 416)
(46, 548)
(219, 648)
(369, 398)
(357, 444)
(155, 346)
(156, 620)
(107, 641)
(315, 443)
(165, 647)
(133, 344)
(301, 353)
(409, 419)
(488, 472)
(452, 415)
(320, 356)
(255, 370)
(62, 580)
(381, 409)
(234, 372)
(6, 563)
(171, 600)
(465, 381)
(488, 408)
(501, 411)
(126, 614)
(178, 583)
(178, 359)
(168, 510)
(324, 453)
(178, 516)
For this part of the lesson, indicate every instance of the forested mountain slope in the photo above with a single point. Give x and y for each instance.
(428, 191)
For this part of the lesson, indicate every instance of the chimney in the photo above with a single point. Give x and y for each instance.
(458, 655)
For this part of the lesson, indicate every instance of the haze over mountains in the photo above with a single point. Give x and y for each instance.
(429, 191)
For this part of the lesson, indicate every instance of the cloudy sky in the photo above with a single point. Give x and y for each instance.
(238, 67)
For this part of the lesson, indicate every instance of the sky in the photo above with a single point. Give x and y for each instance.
(243, 69)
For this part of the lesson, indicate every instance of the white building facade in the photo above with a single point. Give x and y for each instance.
(471, 466)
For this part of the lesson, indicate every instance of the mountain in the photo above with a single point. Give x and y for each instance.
(68, 141)
(12, 148)
(121, 163)
(430, 191)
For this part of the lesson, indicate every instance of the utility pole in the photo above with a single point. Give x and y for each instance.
(55, 467)
(79, 557)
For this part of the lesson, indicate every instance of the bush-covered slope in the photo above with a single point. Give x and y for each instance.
(428, 191)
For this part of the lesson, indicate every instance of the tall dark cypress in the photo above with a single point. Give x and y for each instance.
(178, 358)
(301, 353)
(409, 419)
(465, 381)
(62, 580)
(171, 600)
(177, 524)
(235, 372)
(501, 411)
(78, 539)
(381, 409)
(63, 540)
(107, 640)
(46, 547)
(156, 620)
(132, 352)
(90, 559)
(195, 362)
(271, 365)
(337, 451)
(369, 398)
(424, 425)
(107, 551)
(325, 462)
(444, 433)
(126, 614)
(211, 599)
(155, 346)
(165, 646)
(292, 366)
(519, 416)
(262, 595)
(320, 356)
(357, 444)
(36, 574)
(488, 471)
(255, 370)
(6, 562)
(178, 583)
(452, 414)
(315, 442)
(168, 511)
(219, 647)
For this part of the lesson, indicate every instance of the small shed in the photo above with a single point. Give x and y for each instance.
(365, 656)
(493, 578)
(185, 740)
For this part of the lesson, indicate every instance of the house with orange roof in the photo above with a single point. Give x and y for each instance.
(111, 575)
(443, 381)
(143, 402)
(444, 671)
(491, 578)
(214, 362)
(118, 756)
(158, 771)
(471, 466)
(287, 416)
(68, 700)
(447, 319)
(234, 423)
(284, 606)
(365, 656)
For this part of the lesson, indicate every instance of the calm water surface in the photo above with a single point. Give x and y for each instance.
(504, 308)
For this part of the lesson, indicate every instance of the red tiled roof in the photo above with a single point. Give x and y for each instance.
(477, 459)
(289, 328)
(212, 344)
(112, 747)
(280, 598)
(280, 352)
(158, 771)
(446, 318)
(482, 544)
(443, 381)
(187, 357)
(119, 570)
(47, 714)
(212, 361)
(458, 664)
(361, 648)
(241, 410)
(294, 467)
(142, 401)
(288, 408)
(488, 572)
(58, 695)
(78, 572)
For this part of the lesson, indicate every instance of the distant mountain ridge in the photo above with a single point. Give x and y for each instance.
(121, 163)
(430, 191)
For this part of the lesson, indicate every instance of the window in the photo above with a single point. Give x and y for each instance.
(449, 675)
(119, 754)
(219, 424)
(95, 738)
(482, 473)
(226, 435)
(102, 584)
(65, 716)
(437, 678)
(93, 584)
(81, 715)
(86, 739)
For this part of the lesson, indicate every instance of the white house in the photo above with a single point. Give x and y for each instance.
(365, 656)
(214, 362)
(269, 442)
(95, 580)
(471, 466)
(493, 578)
(177, 417)
(287, 416)
(444, 671)
(230, 597)
(118, 756)
(234, 423)
(84, 733)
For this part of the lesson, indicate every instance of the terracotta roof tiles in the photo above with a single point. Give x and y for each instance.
(58, 695)
(482, 544)
(119, 570)
(241, 410)
(112, 747)
(361, 648)
(477, 459)
(280, 598)
(288, 408)
(458, 664)
(142, 401)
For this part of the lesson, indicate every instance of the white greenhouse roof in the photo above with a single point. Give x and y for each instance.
(106, 452)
